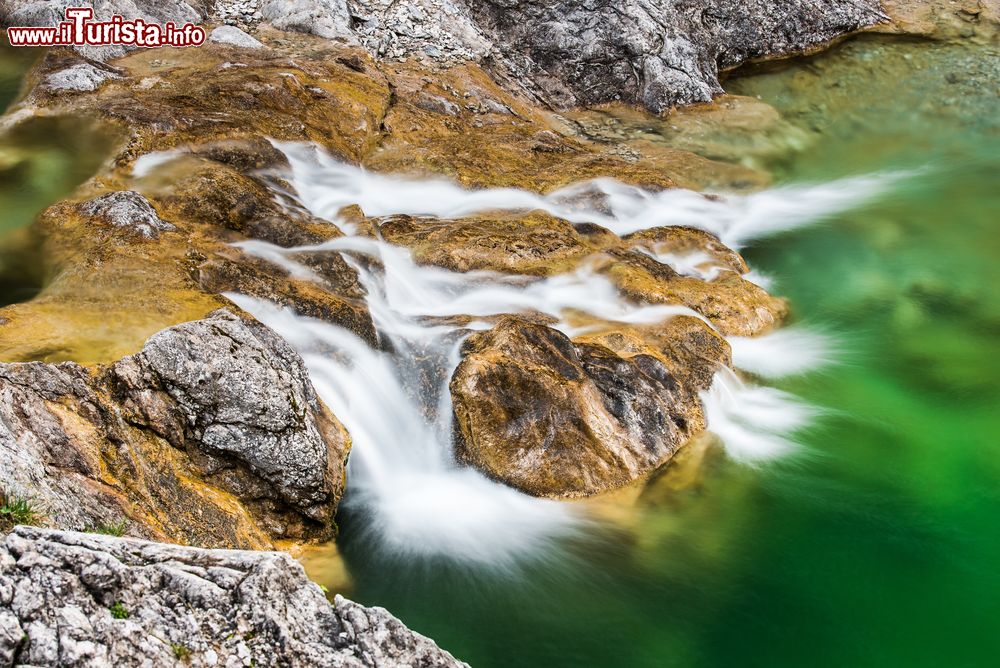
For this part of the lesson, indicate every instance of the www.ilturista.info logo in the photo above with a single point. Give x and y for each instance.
(80, 29)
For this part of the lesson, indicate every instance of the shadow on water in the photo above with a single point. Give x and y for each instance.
(42, 159)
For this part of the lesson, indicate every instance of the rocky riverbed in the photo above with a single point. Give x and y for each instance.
(139, 394)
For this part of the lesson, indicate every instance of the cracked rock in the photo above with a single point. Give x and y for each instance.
(130, 603)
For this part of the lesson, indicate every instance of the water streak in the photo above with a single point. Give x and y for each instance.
(415, 499)
(326, 185)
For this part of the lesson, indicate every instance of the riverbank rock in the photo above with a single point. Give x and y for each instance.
(131, 603)
(660, 53)
(657, 53)
(565, 54)
(211, 435)
(568, 418)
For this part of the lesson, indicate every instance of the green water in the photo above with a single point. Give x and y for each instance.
(42, 160)
(879, 543)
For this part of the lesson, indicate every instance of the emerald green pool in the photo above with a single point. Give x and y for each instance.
(878, 544)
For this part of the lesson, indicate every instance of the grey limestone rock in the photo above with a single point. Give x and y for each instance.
(216, 407)
(71, 599)
(79, 78)
(326, 18)
(128, 210)
(233, 36)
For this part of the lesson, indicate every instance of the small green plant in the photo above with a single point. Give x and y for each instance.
(16, 509)
(181, 652)
(118, 611)
(113, 529)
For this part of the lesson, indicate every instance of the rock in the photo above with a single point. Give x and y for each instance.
(128, 210)
(687, 242)
(659, 53)
(734, 306)
(561, 418)
(327, 18)
(536, 243)
(212, 434)
(236, 391)
(437, 104)
(80, 78)
(128, 603)
(234, 37)
(327, 290)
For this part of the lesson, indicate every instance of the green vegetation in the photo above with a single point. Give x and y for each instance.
(181, 652)
(118, 611)
(16, 509)
(112, 529)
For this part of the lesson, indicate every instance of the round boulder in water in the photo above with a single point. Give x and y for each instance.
(566, 418)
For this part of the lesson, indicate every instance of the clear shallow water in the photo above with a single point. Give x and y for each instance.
(877, 544)
(41, 161)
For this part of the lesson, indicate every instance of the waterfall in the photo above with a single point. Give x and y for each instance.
(416, 499)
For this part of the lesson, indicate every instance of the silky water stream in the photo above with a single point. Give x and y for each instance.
(850, 518)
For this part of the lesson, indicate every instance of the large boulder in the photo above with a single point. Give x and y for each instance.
(568, 418)
(659, 53)
(212, 435)
(70, 599)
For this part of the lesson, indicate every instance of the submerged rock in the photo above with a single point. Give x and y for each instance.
(561, 418)
(130, 603)
(212, 434)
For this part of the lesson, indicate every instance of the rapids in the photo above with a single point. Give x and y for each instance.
(415, 500)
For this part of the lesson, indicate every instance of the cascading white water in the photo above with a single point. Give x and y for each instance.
(783, 352)
(416, 501)
(326, 185)
(402, 476)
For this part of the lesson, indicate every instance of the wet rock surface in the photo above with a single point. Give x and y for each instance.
(536, 244)
(135, 603)
(561, 418)
(212, 435)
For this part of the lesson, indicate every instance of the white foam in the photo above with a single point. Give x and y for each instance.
(783, 352)
(148, 163)
(415, 499)
(326, 185)
(753, 422)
